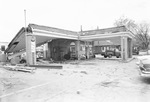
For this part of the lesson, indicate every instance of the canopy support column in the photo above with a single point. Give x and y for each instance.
(30, 49)
(78, 49)
(124, 47)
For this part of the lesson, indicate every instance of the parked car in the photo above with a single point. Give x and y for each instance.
(135, 51)
(110, 53)
(144, 65)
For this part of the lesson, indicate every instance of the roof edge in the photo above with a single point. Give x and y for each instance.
(47, 28)
(15, 38)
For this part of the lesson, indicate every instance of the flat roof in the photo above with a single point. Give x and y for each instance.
(52, 29)
(45, 33)
(104, 31)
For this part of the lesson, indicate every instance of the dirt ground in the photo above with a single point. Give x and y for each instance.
(95, 80)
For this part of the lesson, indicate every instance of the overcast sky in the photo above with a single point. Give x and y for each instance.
(68, 14)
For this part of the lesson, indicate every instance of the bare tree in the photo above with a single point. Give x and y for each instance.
(128, 23)
(141, 31)
(142, 36)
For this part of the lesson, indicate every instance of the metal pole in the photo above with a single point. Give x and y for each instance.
(25, 17)
(26, 40)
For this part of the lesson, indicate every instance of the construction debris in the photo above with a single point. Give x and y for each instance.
(50, 66)
(20, 68)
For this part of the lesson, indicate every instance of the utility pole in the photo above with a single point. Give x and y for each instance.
(25, 18)
(81, 28)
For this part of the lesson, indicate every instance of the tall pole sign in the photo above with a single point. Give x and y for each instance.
(25, 18)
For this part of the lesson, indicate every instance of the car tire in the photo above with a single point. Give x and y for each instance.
(105, 56)
(117, 56)
(110, 56)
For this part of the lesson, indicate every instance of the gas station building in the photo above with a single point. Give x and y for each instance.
(58, 43)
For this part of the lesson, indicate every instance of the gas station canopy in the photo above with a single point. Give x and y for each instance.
(45, 34)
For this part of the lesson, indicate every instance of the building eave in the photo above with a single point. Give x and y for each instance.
(107, 35)
(15, 39)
